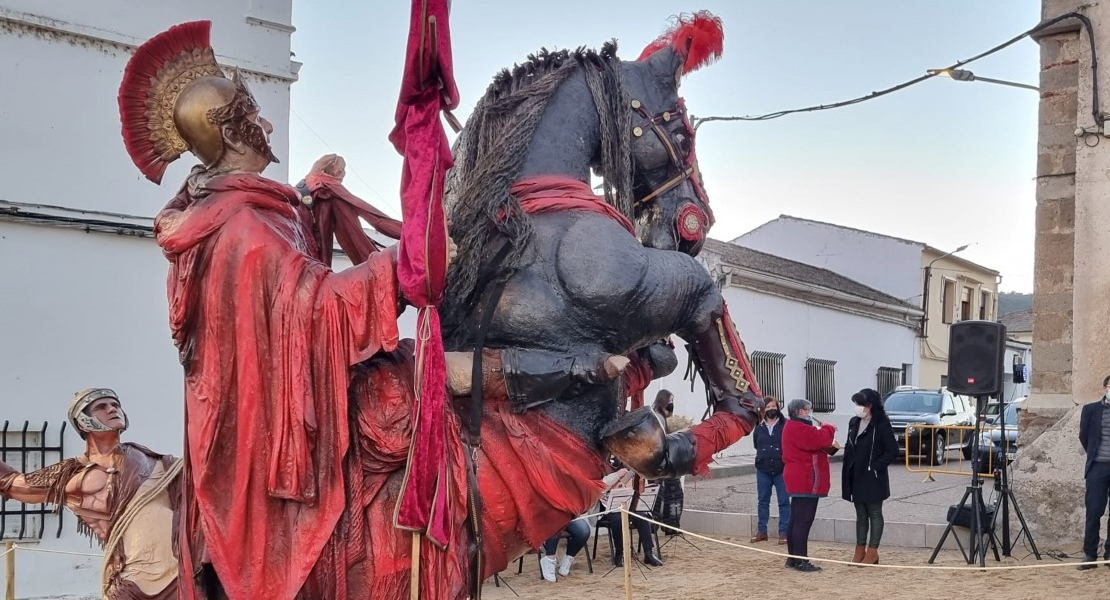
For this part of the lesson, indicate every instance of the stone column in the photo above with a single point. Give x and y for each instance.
(1071, 303)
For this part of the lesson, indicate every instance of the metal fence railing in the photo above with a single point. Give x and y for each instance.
(950, 449)
(26, 449)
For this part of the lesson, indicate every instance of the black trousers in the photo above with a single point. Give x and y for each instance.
(802, 513)
(616, 533)
(1097, 498)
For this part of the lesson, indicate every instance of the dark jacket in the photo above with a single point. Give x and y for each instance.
(864, 476)
(1090, 431)
(768, 447)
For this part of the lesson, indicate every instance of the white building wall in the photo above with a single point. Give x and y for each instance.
(884, 263)
(89, 309)
(773, 323)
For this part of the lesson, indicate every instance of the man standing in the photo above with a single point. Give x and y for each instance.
(1094, 435)
(123, 494)
(767, 439)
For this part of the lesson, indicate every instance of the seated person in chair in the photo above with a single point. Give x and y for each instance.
(578, 532)
(620, 479)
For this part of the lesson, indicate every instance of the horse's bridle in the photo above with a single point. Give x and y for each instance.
(692, 223)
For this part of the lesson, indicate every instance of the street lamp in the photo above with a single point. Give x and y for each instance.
(962, 75)
(925, 291)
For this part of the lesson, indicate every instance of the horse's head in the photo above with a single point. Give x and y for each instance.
(671, 207)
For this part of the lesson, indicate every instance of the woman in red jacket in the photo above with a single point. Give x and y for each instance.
(805, 446)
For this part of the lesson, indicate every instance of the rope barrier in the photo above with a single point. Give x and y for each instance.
(834, 561)
(43, 551)
(586, 516)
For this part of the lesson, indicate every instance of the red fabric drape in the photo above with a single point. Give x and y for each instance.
(267, 334)
(427, 87)
(337, 213)
(549, 193)
(635, 379)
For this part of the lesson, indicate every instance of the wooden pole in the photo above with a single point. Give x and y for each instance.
(414, 581)
(9, 593)
(627, 550)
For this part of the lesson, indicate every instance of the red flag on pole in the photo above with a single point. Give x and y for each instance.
(427, 88)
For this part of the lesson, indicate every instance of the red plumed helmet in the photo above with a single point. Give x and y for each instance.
(699, 37)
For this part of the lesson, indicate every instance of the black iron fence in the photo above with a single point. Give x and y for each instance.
(26, 449)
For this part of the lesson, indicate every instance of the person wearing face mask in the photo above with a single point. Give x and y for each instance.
(1094, 436)
(767, 439)
(806, 444)
(870, 450)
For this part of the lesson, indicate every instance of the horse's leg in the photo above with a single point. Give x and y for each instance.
(695, 310)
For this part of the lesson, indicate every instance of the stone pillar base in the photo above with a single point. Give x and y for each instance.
(1047, 480)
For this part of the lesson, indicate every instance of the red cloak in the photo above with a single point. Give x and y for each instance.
(267, 334)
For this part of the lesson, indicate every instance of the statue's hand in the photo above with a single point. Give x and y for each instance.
(459, 366)
(615, 365)
(330, 164)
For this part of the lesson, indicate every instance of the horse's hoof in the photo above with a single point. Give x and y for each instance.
(638, 440)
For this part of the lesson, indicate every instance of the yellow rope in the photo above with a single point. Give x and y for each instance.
(834, 561)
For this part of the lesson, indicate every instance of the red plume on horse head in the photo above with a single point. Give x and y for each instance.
(699, 37)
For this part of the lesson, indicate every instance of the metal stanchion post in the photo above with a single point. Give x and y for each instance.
(627, 551)
(9, 593)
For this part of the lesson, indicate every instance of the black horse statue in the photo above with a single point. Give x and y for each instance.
(569, 284)
(561, 281)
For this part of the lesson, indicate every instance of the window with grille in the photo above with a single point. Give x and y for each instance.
(25, 449)
(888, 378)
(768, 372)
(821, 384)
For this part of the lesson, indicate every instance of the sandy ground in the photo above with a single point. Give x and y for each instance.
(718, 572)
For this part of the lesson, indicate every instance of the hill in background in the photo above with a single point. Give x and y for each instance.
(1009, 302)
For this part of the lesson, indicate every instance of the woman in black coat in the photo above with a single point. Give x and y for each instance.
(871, 448)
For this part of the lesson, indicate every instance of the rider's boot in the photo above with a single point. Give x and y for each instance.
(639, 439)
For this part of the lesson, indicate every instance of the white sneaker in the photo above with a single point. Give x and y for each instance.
(547, 567)
(564, 565)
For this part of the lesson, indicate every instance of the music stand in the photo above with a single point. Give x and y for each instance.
(613, 500)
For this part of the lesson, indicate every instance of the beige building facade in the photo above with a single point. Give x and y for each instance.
(953, 290)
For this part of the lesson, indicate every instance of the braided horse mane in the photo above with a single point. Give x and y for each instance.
(490, 153)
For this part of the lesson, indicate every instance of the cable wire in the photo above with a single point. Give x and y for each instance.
(1095, 112)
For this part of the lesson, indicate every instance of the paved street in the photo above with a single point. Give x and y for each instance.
(913, 500)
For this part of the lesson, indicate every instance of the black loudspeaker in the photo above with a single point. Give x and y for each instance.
(975, 353)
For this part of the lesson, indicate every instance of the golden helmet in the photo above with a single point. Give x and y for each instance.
(174, 97)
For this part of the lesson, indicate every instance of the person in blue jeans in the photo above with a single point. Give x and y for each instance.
(579, 532)
(767, 439)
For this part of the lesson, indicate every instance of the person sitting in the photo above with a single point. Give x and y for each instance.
(578, 532)
(622, 479)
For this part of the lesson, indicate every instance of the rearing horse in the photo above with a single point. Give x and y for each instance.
(573, 279)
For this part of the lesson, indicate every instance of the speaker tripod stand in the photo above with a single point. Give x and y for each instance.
(1006, 497)
(982, 533)
(981, 537)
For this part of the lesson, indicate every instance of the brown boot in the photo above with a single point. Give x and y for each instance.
(858, 556)
(725, 369)
(871, 556)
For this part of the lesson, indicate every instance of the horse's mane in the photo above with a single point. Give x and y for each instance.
(490, 153)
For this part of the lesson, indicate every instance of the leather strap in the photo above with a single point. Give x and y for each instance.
(474, 430)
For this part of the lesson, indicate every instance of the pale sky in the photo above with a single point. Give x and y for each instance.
(944, 162)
